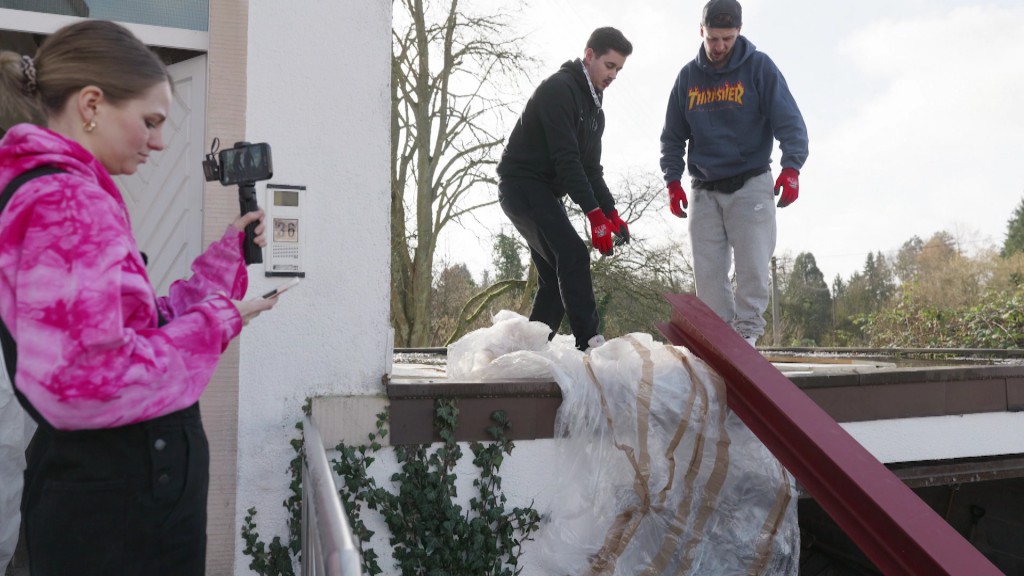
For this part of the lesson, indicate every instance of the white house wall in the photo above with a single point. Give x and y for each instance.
(318, 77)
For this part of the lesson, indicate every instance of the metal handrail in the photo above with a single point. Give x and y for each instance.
(327, 543)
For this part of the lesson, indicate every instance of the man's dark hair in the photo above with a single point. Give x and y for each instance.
(608, 38)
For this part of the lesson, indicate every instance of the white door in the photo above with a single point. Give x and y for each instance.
(165, 197)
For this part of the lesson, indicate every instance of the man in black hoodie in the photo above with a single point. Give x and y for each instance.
(555, 150)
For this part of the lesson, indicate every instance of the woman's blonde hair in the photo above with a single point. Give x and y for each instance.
(92, 52)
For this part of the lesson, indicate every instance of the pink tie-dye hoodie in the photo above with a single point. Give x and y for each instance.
(76, 298)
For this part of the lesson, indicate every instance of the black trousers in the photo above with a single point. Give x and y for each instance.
(564, 285)
(118, 501)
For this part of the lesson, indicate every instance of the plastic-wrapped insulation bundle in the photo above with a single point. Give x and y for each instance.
(658, 476)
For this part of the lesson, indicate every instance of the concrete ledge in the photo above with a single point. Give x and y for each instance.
(915, 392)
(872, 375)
(1015, 394)
(532, 405)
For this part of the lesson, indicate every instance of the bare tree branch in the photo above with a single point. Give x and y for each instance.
(450, 67)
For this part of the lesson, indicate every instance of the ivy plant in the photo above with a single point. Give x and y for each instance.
(430, 534)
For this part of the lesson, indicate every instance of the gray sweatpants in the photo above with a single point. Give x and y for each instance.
(739, 226)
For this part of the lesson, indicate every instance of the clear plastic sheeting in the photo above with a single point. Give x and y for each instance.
(656, 476)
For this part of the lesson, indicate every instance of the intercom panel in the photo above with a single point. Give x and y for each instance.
(286, 236)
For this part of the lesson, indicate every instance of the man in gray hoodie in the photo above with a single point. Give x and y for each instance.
(727, 107)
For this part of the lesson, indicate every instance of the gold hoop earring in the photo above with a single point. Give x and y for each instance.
(89, 126)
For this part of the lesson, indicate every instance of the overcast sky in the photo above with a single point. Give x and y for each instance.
(914, 110)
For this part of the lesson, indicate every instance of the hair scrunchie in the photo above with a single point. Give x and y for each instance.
(28, 67)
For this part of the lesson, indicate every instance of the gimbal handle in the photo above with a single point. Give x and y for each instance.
(247, 203)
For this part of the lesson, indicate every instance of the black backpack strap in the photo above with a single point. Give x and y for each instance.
(21, 179)
(9, 346)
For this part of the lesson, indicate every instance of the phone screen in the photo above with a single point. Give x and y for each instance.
(250, 163)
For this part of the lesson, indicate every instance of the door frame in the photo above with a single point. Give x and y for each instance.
(162, 36)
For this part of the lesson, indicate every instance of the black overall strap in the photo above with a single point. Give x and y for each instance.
(10, 348)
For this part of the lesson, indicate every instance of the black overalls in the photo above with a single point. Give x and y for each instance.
(118, 501)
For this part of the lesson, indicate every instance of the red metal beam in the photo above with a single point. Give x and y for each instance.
(892, 526)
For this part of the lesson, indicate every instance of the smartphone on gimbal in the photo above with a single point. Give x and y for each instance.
(245, 163)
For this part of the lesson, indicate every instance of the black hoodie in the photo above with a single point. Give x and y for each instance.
(557, 140)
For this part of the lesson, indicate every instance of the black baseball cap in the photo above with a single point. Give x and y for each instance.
(723, 14)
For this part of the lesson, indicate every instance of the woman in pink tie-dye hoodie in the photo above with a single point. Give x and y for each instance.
(117, 476)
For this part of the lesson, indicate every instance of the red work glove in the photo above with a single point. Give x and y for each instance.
(789, 185)
(600, 231)
(619, 228)
(677, 196)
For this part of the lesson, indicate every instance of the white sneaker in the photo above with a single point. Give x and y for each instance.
(595, 342)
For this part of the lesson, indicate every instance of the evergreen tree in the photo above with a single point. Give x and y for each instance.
(1014, 233)
(452, 287)
(880, 278)
(806, 302)
(845, 330)
(508, 264)
(865, 293)
(838, 287)
(906, 265)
